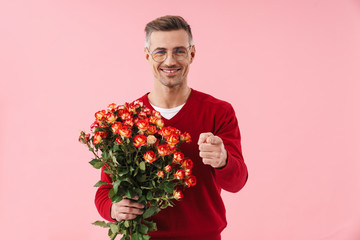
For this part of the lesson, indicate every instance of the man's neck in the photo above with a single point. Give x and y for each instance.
(165, 97)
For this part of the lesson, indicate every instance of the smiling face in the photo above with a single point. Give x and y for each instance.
(171, 72)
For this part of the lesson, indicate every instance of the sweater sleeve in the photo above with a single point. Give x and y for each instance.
(234, 175)
(102, 200)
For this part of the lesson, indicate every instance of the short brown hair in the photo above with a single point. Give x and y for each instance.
(167, 23)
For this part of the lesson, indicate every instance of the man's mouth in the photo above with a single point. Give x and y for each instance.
(170, 70)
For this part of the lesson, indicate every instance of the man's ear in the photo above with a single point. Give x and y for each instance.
(146, 54)
(192, 53)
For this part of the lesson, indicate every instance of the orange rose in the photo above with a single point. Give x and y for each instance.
(125, 131)
(110, 118)
(143, 125)
(163, 149)
(138, 103)
(172, 140)
(112, 107)
(132, 109)
(179, 174)
(190, 181)
(178, 194)
(115, 127)
(156, 114)
(142, 115)
(93, 126)
(129, 122)
(100, 115)
(151, 130)
(140, 140)
(188, 171)
(165, 131)
(172, 149)
(160, 123)
(124, 114)
(153, 119)
(185, 137)
(178, 157)
(187, 163)
(147, 111)
(99, 136)
(168, 168)
(161, 174)
(119, 140)
(150, 156)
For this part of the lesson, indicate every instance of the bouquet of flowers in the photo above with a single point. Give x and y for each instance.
(142, 157)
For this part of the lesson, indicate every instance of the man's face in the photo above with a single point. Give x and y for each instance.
(171, 72)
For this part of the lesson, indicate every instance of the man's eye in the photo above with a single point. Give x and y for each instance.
(160, 52)
(179, 51)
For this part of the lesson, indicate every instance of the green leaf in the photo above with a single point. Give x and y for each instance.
(143, 229)
(136, 171)
(129, 194)
(96, 163)
(142, 166)
(136, 236)
(111, 193)
(116, 186)
(146, 237)
(138, 191)
(110, 233)
(126, 224)
(151, 225)
(123, 172)
(100, 224)
(141, 178)
(108, 171)
(114, 228)
(142, 199)
(116, 147)
(116, 199)
(169, 187)
(149, 195)
(150, 211)
(99, 183)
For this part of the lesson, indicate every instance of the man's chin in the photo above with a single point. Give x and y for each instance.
(171, 82)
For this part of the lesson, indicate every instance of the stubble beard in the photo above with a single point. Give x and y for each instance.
(169, 81)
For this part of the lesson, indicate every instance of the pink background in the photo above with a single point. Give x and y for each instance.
(289, 68)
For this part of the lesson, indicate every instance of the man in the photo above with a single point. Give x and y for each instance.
(212, 124)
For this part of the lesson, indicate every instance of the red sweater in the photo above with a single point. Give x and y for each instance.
(201, 212)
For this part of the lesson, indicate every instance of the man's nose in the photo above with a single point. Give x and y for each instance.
(170, 60)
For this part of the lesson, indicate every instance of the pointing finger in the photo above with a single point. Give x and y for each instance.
(204, 136)
(215, 140)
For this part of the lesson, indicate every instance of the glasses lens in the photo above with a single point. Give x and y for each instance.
(159, 55)
(180, 53)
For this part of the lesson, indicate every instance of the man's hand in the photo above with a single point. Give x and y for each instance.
(126, 209)
(212, 150)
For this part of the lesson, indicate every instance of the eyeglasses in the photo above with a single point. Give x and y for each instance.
(160, 54)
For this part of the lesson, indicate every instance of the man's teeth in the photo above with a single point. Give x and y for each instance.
(169, 71)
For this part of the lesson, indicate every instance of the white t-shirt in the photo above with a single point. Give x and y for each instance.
(168, 112)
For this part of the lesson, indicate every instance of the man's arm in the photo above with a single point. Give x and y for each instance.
(222, 150)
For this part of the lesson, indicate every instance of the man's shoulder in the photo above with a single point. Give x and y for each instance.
(205, 98)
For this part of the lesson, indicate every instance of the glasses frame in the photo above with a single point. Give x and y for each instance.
(187, 54)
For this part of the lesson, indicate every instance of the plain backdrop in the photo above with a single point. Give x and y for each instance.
(290, 68)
